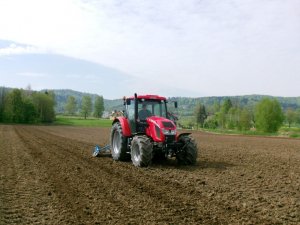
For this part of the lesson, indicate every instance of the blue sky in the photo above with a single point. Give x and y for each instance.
(173, 48)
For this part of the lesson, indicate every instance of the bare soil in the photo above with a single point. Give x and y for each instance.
(48, 176)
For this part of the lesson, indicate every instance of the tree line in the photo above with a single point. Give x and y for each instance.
(26, 106)
(86, 108)
(241, 101)
(266, 116)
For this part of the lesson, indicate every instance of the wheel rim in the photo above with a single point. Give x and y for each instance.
(136, 152)
(116, 142)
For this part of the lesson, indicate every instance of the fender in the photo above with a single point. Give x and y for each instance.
(124, 124)
(182, 134)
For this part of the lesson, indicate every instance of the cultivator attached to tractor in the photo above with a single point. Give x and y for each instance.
(98, 150)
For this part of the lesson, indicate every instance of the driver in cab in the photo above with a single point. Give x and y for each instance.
(144, 113)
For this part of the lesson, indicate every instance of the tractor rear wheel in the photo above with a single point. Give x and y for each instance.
(141, 151)
(118, 143)
(188, 154)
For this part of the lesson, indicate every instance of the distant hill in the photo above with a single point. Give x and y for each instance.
(62, 95)
(186, 105)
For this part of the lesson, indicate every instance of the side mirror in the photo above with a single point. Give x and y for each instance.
(175, 105)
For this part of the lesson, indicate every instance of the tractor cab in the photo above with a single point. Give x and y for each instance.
(139, 108)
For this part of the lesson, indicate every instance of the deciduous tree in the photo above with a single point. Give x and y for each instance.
(269, 115)
(98, 107)
(13, 109)
(245, 120)
(44, 104)
(2, 102)
(291, 116)
(201, 114)
(298, 116)
(86, 106)
(223, 114)
(30, 113)
(71, 105)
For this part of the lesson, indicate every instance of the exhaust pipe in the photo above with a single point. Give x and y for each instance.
(135, 107)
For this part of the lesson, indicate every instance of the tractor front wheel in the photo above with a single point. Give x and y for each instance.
(187, 155)
(118, 143)
(141, 151)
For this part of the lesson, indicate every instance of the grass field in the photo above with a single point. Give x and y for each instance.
(80, 121)
(293, 132)
(284, 131)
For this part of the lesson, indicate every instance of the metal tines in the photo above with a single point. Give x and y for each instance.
(98, 149)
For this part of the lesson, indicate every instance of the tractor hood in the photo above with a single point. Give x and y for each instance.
(160, 127)
(161, 122)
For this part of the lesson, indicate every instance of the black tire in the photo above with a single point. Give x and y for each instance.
(189, 152)
(141, 151)
(118, 143)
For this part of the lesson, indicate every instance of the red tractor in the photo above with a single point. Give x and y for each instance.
(147, 131)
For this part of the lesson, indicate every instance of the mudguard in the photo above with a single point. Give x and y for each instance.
(124, 124)
(182, 134)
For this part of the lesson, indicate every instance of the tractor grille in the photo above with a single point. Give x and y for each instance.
(170, 138)
(168, 125)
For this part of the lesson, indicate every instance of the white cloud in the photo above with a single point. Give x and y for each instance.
(32, 74)
(73, 76)
(14, 49)
(211, 46)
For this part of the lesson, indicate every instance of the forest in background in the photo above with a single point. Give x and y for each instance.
(241, 113)
(186, 105)
(28, 106)
(226, 112)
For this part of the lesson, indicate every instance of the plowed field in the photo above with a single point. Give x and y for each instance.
(47, 176)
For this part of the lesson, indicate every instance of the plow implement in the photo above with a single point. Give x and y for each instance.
(97, 150)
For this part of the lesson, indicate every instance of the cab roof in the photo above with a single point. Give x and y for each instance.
(149, 97)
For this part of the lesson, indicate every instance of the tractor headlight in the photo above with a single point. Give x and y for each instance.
(168, 132)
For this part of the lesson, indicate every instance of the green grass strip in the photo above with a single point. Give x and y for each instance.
(79, 121)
